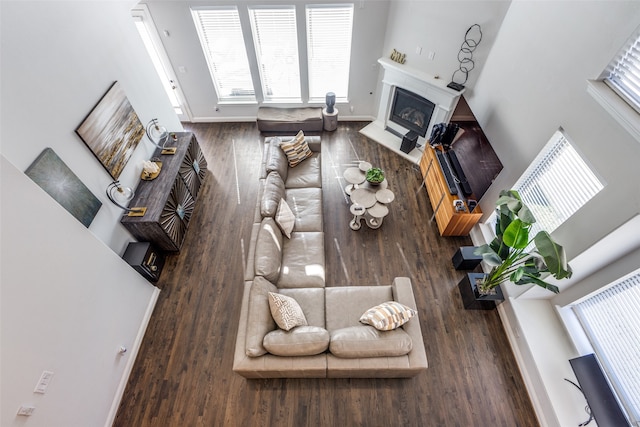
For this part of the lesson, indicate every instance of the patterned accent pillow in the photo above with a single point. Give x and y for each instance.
(296, 150)
(285, 218)
(388, 316)
(286, 311)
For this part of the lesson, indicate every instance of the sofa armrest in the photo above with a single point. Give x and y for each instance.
(403, 293)
(314, 141)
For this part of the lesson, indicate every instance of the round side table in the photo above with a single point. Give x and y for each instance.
(330, 120)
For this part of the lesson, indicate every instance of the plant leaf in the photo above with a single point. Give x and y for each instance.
(517, 235)
(525, 215)
(554, 255)
(525, 279)
(488, 255)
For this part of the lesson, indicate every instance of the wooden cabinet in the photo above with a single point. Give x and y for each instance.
(171, 197)
(450, 222)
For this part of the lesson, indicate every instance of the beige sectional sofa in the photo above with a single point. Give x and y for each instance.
(334, 343)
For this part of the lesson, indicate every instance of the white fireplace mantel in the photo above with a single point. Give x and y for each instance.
(428, 86)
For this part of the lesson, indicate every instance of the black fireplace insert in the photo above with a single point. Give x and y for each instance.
(411, 111)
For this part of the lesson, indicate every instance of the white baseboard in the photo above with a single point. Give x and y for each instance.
(131, 358)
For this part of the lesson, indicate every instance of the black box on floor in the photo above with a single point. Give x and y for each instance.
(465, 259)
(145, 259)
(409, 142)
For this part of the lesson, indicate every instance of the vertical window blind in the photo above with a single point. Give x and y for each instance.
(623, 73)
(557, 184)
(329, 30)
(276, 40)
(224, 49)
(610, 320)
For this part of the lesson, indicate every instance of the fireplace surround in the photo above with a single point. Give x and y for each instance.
(383, 130)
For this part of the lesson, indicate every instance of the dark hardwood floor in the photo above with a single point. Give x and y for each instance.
(183, 377)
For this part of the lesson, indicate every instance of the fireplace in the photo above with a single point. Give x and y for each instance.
(411, 111)
(402, 78)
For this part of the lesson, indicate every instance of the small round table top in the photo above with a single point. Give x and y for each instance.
(375, 187)
(354, 175)
(363, 197)
(378, 210)
(385, 196)
(364, 166)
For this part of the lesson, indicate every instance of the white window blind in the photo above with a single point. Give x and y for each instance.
(623, 73)
(223, 45)
(610, 320)
(275, 38)
(557, 184)
(329, 29)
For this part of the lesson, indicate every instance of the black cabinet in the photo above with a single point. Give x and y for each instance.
(145, 259)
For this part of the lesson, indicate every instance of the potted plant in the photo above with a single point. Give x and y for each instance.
(509, 256)
(375, 176)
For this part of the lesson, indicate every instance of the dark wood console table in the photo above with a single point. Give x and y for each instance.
(171, 197)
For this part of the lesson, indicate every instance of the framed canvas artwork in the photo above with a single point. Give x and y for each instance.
(55, 177)
(112, 130)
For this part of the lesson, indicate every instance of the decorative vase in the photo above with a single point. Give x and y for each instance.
(472, 298)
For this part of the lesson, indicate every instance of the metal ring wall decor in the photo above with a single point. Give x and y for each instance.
(472, 39)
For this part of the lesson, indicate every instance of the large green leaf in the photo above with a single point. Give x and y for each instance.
(517, 235)
(554, 255)
(488, 255)
(525, 279)
(525, 215)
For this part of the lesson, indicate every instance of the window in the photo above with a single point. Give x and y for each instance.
(329, 29)
(276, 41)
(557, 184)
(223, 45)
(610, 320)
(623, 73)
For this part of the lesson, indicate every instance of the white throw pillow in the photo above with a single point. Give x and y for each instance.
(286, 311)
(285, 218)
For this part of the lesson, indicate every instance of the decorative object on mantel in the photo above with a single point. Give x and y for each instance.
(398, 57)
(472, 39)
(159, 137)
(55, 177)
(151, 169)
(507, 253)
(120, 196)
(112, 130)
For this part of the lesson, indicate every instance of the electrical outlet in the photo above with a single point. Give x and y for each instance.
(418, 50)
(26, 410)
(43, 382)
(432, 55)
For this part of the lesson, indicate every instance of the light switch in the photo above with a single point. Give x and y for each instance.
(45, 378)
(26, 410)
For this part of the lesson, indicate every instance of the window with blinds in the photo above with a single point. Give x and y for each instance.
(329, 29)
(611, 322)
(623, 73)
(557, 184)
(275, 38)
(224, 49)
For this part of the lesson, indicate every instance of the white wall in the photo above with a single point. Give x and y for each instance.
(184, 50)
(68, 304)
(68, 300)
(58, 59)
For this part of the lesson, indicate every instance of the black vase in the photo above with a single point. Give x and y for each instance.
(472, 299)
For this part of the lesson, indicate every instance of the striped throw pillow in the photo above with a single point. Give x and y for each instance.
(296, 150)
(388, 316)
(286, 311)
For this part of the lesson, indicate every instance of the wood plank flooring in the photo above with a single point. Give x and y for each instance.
(183, 376)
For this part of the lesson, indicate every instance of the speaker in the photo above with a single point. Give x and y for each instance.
(409, 142)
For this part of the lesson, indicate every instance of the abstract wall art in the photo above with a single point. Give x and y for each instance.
(112, 130)
(55, 177)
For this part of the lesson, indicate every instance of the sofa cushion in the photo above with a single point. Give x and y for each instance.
(311, 301)
(345, 305)
(277, 160)
(388, 315)
(285, 218)
(297, 149)
(303, 261)
(300, 341)
(268, 256)
(259, 321)
(367, 341)
(306, 204)
(272, 193)
(286, 311)
(306, 174)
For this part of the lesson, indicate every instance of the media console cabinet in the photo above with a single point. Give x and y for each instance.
(451, 221)
(171, 197)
